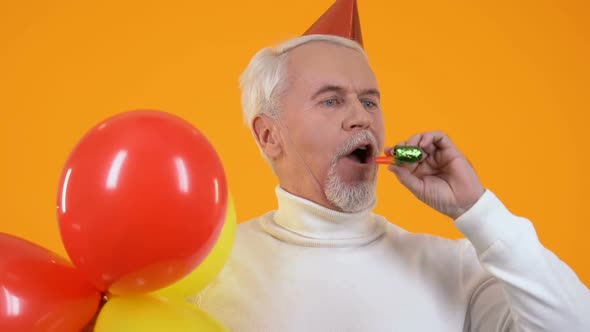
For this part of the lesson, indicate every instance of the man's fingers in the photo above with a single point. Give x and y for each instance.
(442, 141)
(426, 140)
(415, 140)
(405, 177)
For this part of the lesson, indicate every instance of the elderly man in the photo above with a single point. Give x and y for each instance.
(323, 261)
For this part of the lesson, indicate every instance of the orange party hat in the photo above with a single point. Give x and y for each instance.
(341, 19)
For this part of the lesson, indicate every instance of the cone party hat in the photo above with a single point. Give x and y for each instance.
(341, 19)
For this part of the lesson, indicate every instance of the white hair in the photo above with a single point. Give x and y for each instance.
(264, 80)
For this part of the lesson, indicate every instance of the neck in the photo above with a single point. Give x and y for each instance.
(303, 222)
(309, 189)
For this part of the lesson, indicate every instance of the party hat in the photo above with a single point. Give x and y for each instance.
(341, 19)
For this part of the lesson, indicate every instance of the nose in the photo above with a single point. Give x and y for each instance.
(358, 117)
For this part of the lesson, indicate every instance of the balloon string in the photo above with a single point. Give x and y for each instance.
(317, 182)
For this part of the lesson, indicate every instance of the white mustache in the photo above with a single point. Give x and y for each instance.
(360, 137)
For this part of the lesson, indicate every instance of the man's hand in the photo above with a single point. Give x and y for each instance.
(443, 179)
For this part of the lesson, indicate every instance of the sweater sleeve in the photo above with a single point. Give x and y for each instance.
(530, 288)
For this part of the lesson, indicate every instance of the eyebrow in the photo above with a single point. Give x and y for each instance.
(339, 89)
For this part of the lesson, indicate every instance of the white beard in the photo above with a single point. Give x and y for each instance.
(349, 198)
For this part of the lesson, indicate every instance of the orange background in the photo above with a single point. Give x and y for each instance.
(508, 81)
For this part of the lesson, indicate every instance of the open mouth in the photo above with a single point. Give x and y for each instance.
(361, 154)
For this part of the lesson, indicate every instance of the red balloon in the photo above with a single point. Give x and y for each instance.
(141, 201)
(40, 291)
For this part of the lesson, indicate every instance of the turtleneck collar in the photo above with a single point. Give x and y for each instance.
(303, 222)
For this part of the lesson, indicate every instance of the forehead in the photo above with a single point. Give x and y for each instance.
(319, 63)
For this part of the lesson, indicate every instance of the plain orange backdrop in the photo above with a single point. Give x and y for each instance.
(508, 81)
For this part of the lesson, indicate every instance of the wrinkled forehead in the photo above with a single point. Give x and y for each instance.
(315, 64)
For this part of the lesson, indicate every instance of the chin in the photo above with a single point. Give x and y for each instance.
(350, 196)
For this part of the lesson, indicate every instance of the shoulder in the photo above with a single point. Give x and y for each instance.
(252, 231)
(432, 251)
(452, 262)
(253, 243)
(401, 238)
(249, 246)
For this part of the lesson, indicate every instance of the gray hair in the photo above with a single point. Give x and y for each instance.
(264, 80)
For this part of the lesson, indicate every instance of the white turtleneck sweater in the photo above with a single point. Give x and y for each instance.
(306, 268)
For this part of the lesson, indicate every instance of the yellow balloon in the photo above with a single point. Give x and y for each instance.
(147, 313)
(204, 274)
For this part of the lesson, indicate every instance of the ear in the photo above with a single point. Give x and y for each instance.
(267, 135)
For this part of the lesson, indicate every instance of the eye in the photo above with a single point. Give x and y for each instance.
(331, 102)
(368, 104)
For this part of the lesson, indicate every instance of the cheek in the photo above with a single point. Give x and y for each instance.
(317, 146)
(317, 134)
(379, 125)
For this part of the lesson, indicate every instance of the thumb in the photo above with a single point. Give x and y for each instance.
(409, 180)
